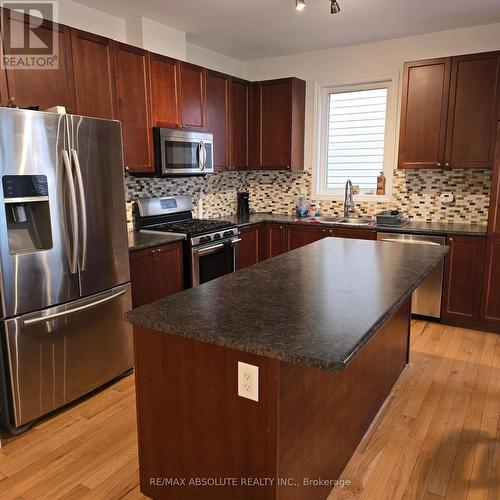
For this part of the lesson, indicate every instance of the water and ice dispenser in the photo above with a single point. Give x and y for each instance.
(26, 199)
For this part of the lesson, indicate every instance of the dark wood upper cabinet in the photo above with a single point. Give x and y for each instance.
(471, 128)
(44, 88)
(490, 308)
(424, 109)
(4, 95)
(463, 279)
(239, 123)
(298, 236)
(94, 69)
(280, 124)
(164, 91)
(494, 213)
(133, 93)
(191, 96)
(448, 112)
(218, 87)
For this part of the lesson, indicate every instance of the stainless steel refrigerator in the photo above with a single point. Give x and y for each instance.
(63, 261)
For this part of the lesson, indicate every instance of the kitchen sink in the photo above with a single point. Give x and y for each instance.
(346, 221)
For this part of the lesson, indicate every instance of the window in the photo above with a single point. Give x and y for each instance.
(356, 139)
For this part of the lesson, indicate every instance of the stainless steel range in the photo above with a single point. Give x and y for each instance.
(211, 247)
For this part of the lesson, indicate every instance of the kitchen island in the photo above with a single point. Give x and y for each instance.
(327, 325)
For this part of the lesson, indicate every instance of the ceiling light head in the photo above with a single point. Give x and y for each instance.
(300, 4)
(335, 7)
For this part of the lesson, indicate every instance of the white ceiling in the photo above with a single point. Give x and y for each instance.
(254, 29)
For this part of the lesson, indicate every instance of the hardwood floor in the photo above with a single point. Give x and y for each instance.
(438, 435)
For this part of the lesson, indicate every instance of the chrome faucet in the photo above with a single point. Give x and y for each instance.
(349, 205)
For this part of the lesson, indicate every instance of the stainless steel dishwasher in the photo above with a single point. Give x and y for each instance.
(426, 300)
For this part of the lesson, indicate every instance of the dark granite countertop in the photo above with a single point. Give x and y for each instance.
(413, 227)
(140, 241)
(317, 305)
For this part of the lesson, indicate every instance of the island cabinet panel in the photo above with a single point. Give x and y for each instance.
(306, 423)
(359, 234)
(494, 213)
(164, 91)
(249, 246)
(471, 127)
(94, 69)
(317, 435)
(276, 240)
(200, 427)
(297, 236)
(424, 111)
(490, 309)
(44, 88)
(462, 279)
(239, 123)
(191, 96)
(133, 92)
(156, 273)
(218, 95)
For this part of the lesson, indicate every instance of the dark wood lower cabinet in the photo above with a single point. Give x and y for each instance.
(156, 273)
(462, 279)
(297, 236)
(490, 308)
(248, 249)
(358, 234)
(276, 240)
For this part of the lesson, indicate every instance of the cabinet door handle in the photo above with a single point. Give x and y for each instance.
(439, 164)
(447, 165)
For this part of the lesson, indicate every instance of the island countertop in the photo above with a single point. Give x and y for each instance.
(317, 305)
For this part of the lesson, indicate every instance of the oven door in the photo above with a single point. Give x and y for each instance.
(183, 153)
(213, 261)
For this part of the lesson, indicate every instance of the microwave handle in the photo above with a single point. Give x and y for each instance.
(202, 162)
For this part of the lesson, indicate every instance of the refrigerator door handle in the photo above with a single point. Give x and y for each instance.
(91, 305)
(83, 207)
(74, 212)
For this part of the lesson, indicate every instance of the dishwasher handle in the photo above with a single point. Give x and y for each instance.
(411, 242)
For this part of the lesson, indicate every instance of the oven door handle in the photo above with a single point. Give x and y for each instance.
(200, 252)
(207, 250)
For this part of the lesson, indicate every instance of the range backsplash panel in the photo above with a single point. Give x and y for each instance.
(415, 192)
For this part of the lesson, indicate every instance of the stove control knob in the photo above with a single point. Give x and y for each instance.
(227, 234)
(205, 238)
(217, 236)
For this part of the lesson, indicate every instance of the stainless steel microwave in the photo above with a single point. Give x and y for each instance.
(178, 152)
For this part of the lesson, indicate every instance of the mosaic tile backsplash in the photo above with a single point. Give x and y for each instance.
(415, 192)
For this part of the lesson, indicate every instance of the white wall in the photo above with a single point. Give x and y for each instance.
(92, 20)
(361, 62)
(156, 37)
(216, 61)
(148, 34)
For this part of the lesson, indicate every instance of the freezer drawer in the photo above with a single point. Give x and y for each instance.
(59, 354)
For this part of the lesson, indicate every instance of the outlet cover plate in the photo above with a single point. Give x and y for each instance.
(248, 381)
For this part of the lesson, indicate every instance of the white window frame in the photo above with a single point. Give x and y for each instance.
(319, 189)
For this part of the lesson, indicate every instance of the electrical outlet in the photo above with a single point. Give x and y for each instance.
(248, 381)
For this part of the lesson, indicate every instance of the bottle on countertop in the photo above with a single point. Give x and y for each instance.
(381, 184)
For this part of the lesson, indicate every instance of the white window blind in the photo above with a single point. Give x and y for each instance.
(356, 137)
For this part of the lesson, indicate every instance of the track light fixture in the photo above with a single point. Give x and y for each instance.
(300, 4)
(334, 7)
